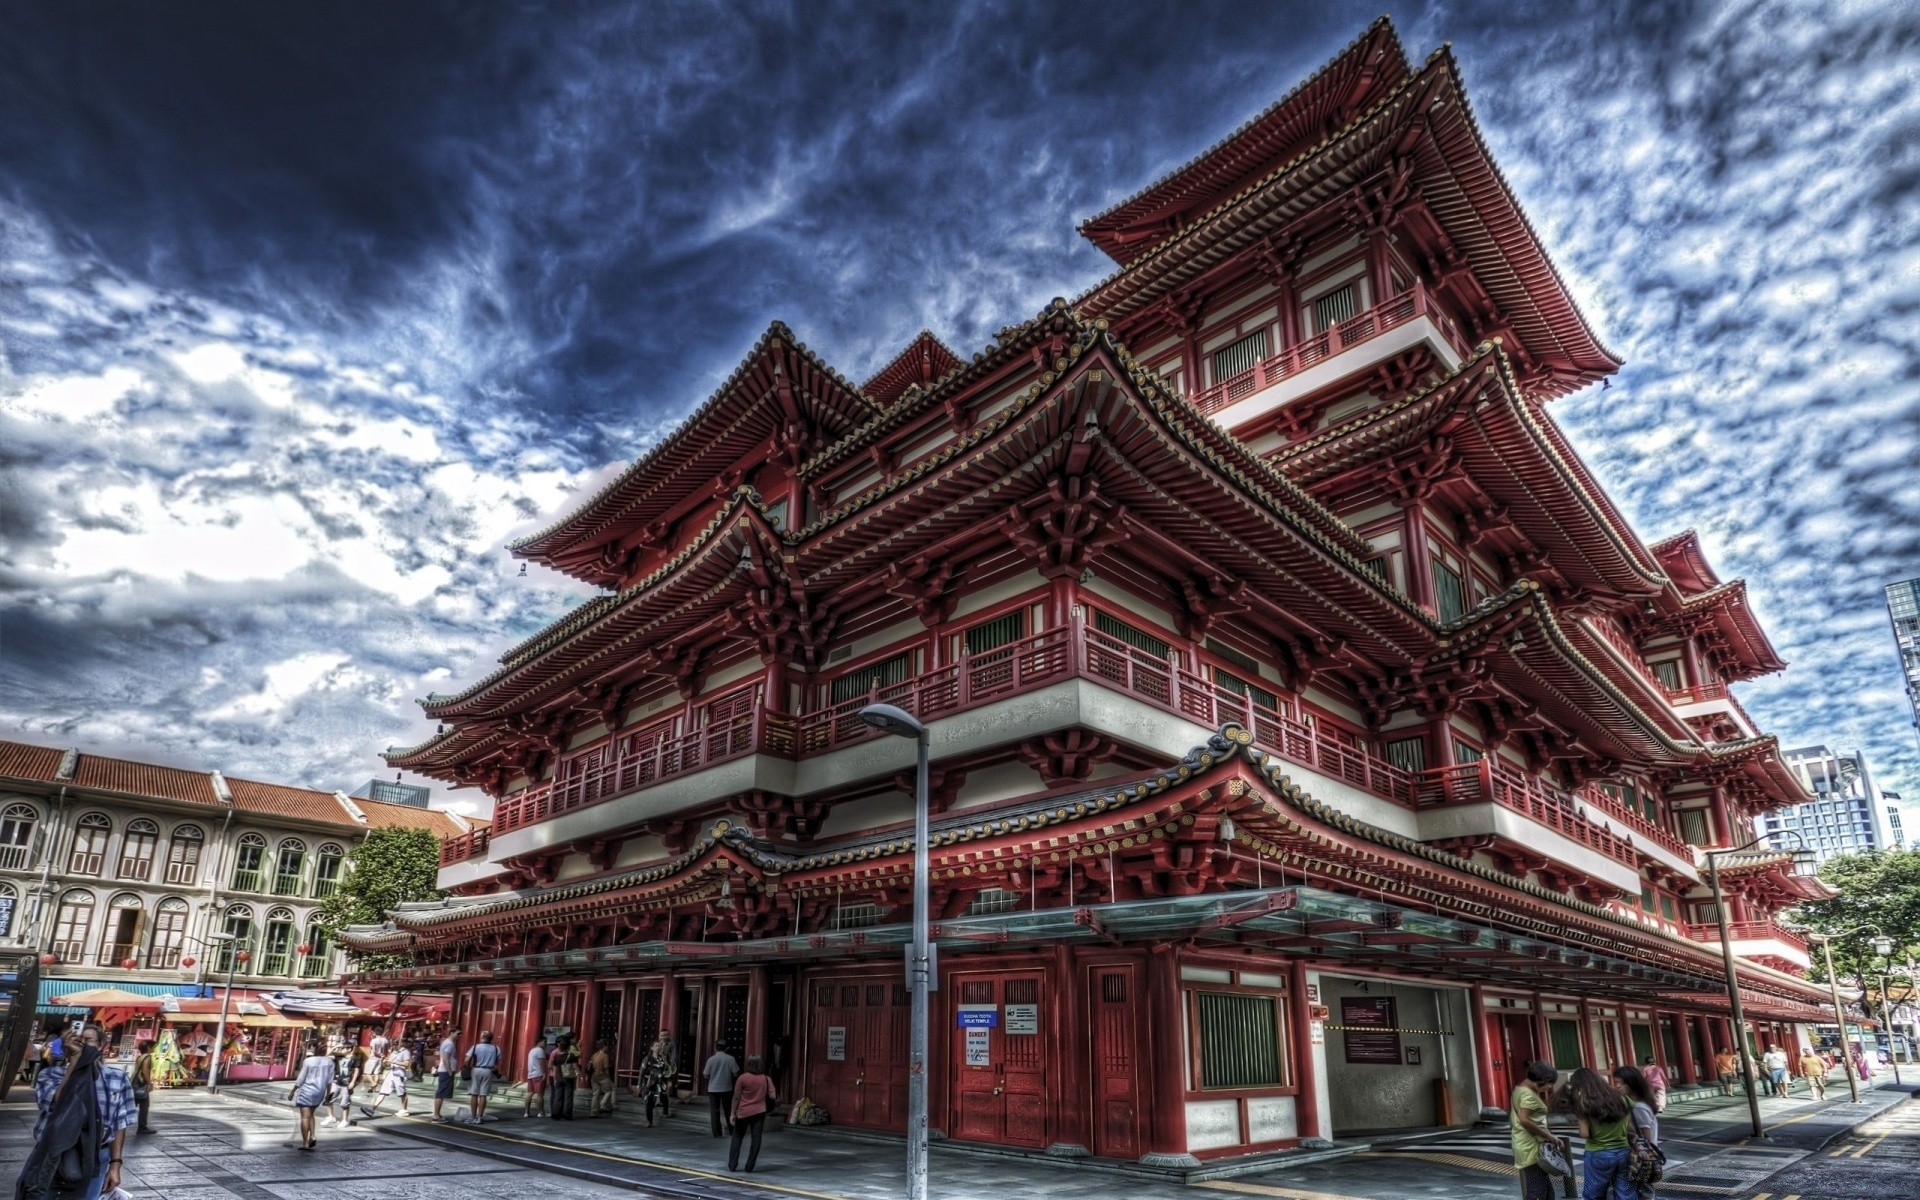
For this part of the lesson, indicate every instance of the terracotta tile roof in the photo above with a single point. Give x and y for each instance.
(21, 761)
(302, 804)
(402, 816)
(144, 779)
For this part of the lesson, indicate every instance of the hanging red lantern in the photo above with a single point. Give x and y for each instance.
(187, 961)
(243, 956)
(130, 963)
(47, 960)
(304, 948)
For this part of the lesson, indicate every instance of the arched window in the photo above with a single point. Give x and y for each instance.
(9, 901)
(16, 836)
(136, 849)
(318, 961)
(90, 844)
(169, 934)
(249, 863)
(277, 959)
(327, 864)
(183, 855)
(120, 934)
(289, 866)
(72, 924)
(238, 926)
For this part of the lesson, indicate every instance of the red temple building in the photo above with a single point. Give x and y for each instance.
(1314, 744)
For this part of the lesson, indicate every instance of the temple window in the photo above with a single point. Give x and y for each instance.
(1564, 1036)
(1139, 639)
(1239, 356)
(1331, 308)
(857, 916)
(1000, 631)
(1466, 752)
(1241, 1038)
(1240, 687)
(994, 900)
(1449, 592)
(1409, 754)
(1668, 673)
(863, 681)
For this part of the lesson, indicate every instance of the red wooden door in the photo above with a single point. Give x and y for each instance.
(857, 1065)
(1113, 1018)
(999, 1089)
(1517, 1046)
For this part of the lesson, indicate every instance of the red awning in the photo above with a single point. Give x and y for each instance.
(412, 1008)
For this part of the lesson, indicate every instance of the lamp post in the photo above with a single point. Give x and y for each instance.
(235, 956)
(1833, 986)
(1803, 864)
(899, 723)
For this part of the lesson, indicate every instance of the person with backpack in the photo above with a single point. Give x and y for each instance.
(1646, 1162)
(563, 1079)
(86, 1108)
(142, 1082)
(1606, 1122)
(340, 1096)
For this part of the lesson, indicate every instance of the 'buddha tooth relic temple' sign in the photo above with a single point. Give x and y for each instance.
(1274, 644)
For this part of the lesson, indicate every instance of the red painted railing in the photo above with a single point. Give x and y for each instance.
(462, 847)
(1484, 783)
(1700, 693)
(1623, 646)
(1398, 310)
(1618, 811)
(1076, 650)
(1741, 931)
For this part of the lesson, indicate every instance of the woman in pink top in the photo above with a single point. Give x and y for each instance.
(752, 1093)
(1656, 1076)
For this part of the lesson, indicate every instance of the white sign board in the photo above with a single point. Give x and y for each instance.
(978, 1052)
(1023, 1018)
(836, 1043)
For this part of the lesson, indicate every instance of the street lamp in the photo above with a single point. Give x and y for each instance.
(235, 957)
(1804, 863)
(1882, 945)
(899, 723)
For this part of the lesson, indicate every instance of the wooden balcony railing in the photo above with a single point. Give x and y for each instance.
(14, 858)
(1624, 648)
(1617, 811)
(1485, 783)
(1744, 931)
(1075, 650)
(1395, 311)
(1701, 693)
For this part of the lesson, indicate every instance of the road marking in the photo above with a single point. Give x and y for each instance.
(1862, 1152)
(1261, 1189)
(679, 1170)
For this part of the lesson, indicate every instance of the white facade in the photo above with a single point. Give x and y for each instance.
(1850, 814)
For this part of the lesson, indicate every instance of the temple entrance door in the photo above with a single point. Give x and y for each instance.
(733, 1020)
(606, 1023)
(1517, 1045)
(1113, 1017)
(999, 1068)
(857, 1059)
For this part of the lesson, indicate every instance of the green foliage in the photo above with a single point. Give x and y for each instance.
(1879, 894)
(390, 867)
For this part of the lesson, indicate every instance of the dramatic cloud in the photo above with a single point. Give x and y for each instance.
(305, 310)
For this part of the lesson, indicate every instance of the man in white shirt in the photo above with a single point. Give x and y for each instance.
(1776, 1064)
(721, 1070)
(536, 1078)
(444, 1068)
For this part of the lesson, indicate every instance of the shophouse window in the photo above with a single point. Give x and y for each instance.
(16, 836)
(238, 925)
(249, 863)
(1001, 631)
(183, 854)
(278, 944)
(9, 904)
(1139, 639)
(289, 866)
(1240, 1040)
(1229, 361)
(90, 845)
(1335, 307)
(327, 865)
(120, 937)
(72, 925)
(169, 934)
(136, 849)
(319, 953)
(862, 681)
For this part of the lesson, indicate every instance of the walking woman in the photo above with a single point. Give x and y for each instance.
(1605, 1123)
(1632, 1083)
(752, 1093)
(563, 1078)
(311, 1089)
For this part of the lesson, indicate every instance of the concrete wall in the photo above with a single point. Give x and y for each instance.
(1367, 1097)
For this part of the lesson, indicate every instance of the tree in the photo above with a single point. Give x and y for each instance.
(390, 867)
(1879, 894)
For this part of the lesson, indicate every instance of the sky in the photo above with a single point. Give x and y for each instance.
(306, 310)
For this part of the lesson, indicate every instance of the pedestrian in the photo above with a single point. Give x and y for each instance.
(312, 1087)
(1726, 1064)
(1632, 1083)
(339, 1096)
(85, 1106)
(1606, 1125)
(417, 1048)
(1814, 1069)
(1656, 1076)
(1775, 1061)
(446, 1065)
(1527, 1123)
(142, 1082)
(399, 1067)
(657, 1076)
(752, 1093)
(482, 1061)
(600, 1069)
(563, 1078)
(536, 1078)
(721, 1070)
(1860, 1068)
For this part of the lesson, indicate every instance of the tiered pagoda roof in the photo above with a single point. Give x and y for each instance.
(925, 360)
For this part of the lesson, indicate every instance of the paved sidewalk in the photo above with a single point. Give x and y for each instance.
(1707, 1141)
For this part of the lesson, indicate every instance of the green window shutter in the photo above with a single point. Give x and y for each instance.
(1449, 594)
(1240, 687)
(1138, 639)
(1565, 1036)
(991, 635)
(861, 680)
(1239, 1041)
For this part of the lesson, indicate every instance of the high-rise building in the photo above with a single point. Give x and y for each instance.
(1903, 609)
(1314, 744)
(392, 791)
(1847, 814)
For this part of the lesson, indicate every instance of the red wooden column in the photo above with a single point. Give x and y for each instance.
(757, 1011)
(1492, 1087)
(529, 1021)
(670, 1014)
(583, 1037)
(1306, 1101)
(1071, 1046)
(1587, 1047)
(1419, 561)
(1542, 1036)
(1167, 1131)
